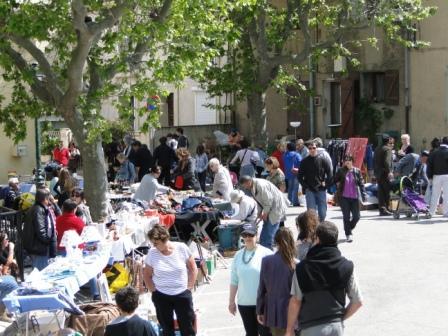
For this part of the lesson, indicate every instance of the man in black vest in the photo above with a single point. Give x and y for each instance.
(382, 167)
(320, 285)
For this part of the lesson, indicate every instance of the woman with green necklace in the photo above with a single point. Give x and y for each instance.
(244, 280)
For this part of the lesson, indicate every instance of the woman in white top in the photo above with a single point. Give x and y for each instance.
(248, 159)
(247, 207)
(170, 273)
(149, 185)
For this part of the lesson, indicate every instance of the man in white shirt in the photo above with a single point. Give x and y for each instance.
(222, 184)
(247, 207)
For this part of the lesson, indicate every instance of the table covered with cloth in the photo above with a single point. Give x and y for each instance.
(184, 220)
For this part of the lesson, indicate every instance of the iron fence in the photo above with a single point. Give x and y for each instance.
(11, 223)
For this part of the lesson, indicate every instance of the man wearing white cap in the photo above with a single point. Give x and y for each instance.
(222, 184)
(247, 207)
(11, 192)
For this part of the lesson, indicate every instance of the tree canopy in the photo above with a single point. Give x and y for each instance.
(68, 57)
(260, 44)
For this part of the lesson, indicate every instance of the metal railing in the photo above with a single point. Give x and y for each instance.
(11, 223)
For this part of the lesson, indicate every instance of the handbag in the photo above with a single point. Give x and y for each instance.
(237, 165)
(179, 182)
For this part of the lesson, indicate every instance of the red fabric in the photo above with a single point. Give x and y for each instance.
(279, 156)
(167, 220)
(68, 221)
(357, 148)
(61, 155)
(179, 182)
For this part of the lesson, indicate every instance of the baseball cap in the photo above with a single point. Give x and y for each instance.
(249, 229)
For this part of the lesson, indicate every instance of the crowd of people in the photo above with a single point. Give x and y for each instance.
(277, 283)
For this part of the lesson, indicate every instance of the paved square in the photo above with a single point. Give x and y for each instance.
(402, 268)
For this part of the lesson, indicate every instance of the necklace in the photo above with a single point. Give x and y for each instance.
(250, 258)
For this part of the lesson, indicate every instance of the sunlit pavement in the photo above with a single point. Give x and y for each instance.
(402, 268)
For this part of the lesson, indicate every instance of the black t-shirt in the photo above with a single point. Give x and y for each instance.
(144, 160)
(135, 326)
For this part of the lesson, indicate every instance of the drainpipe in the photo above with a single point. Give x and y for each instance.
(407, 89)
(311, 100)
(446, 94)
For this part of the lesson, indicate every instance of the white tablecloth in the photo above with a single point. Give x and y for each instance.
(74, 273)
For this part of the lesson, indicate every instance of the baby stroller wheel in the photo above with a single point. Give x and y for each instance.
(408, 214)
(428, 215)
(417, 217)
(396, 215)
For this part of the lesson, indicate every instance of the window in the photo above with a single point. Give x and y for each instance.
(381, 87)
(205, 114)
(335, 103)
(374, 86)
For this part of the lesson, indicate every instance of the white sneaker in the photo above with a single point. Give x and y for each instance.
(349, 238)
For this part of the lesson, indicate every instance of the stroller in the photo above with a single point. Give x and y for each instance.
(410, 202)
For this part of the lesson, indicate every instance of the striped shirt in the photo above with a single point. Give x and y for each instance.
(170, 273)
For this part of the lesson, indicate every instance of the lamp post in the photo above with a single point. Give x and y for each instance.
(295, 124)
(39, 178)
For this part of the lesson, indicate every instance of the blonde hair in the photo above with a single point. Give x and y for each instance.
(272, 161)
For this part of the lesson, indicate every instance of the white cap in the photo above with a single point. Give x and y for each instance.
(13, 180)
(236, 195)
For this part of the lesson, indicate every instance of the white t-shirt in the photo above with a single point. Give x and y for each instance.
(170, 274)
(246, 156)
(148, 188)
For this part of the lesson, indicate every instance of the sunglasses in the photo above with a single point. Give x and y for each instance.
(310, 148)
(247, 235)
(76, 195)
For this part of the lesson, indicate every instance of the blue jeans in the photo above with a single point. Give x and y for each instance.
(248, 170)
(7, 285)
(267, 234)
(317, 200)
(293, 189)
(39, 262)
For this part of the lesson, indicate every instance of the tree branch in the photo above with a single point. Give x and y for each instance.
(142, 47)
(78, 56)
(111, 18)
(37, 87)
(44, 65)
(165, 10)
(258, 39)
(79, 12)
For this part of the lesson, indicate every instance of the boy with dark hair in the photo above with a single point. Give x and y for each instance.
(128, 324)
(68, 221)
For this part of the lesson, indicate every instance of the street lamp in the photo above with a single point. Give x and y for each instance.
(295, 124)
(39, 178)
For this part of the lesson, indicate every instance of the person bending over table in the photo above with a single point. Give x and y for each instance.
(222, 183)
(128, 324)
(150, 185)
(247, 207)
(170, 274)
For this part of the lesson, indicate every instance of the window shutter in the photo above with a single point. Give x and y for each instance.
(392, 86)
